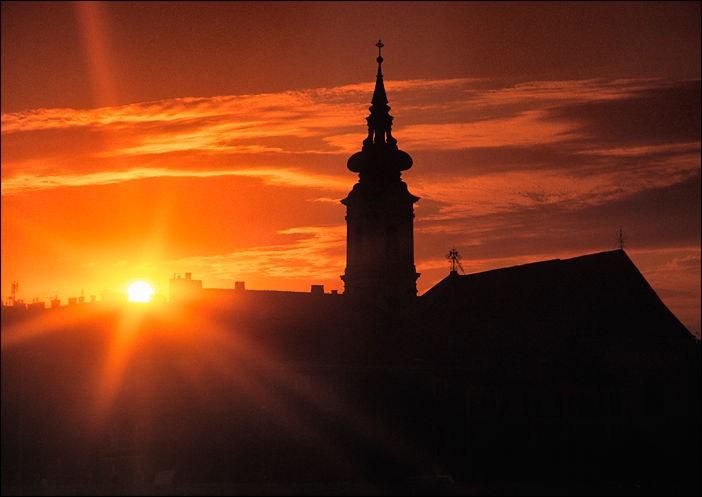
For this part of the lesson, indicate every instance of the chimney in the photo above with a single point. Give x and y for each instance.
(317, 290)
(335, 292)
(188, 275)
(239, 286)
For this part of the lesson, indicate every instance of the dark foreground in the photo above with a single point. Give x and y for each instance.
(433, 488)
(590, 389)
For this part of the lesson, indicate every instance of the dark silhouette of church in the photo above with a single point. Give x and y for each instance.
(557, 376)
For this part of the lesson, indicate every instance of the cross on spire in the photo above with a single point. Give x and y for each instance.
(379, 59)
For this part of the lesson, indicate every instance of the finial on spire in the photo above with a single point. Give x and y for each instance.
(455, 259)
(621, 239)
(379, 59)
(379, 98)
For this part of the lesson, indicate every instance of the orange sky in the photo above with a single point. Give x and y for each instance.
(140, 140)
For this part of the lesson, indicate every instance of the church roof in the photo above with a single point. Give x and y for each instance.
(553, 311)
(601, 281)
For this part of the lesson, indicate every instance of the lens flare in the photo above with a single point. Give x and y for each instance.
(140, 291)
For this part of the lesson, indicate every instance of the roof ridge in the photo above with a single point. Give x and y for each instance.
(546, 261)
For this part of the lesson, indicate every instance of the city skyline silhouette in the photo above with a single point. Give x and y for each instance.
(106, 161)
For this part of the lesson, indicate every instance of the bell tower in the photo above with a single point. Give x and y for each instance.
(380, 214)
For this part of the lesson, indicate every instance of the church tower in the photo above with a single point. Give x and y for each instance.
(380, 214)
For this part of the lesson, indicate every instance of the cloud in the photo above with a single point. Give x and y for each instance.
(314, 253)
(659, 217)
(669, 113)
(514, 190)
(525, 128)
(280, 177)
(276, 107)
(436, 114)
(186, 135)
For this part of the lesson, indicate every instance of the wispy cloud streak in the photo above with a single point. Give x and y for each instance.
(314, 253)
(281, 177)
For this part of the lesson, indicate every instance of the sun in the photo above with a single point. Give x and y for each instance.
(140, 291)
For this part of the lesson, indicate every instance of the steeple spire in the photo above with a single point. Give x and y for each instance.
(379, 97)
(379, 155)
(379, 120)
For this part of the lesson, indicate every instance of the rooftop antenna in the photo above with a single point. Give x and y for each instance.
(13, 292)
(620, 239)
(455, 259)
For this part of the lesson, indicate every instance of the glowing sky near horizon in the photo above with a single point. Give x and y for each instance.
(140, 140)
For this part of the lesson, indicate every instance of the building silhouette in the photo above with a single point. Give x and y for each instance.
(567, 374)
(380, 214)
